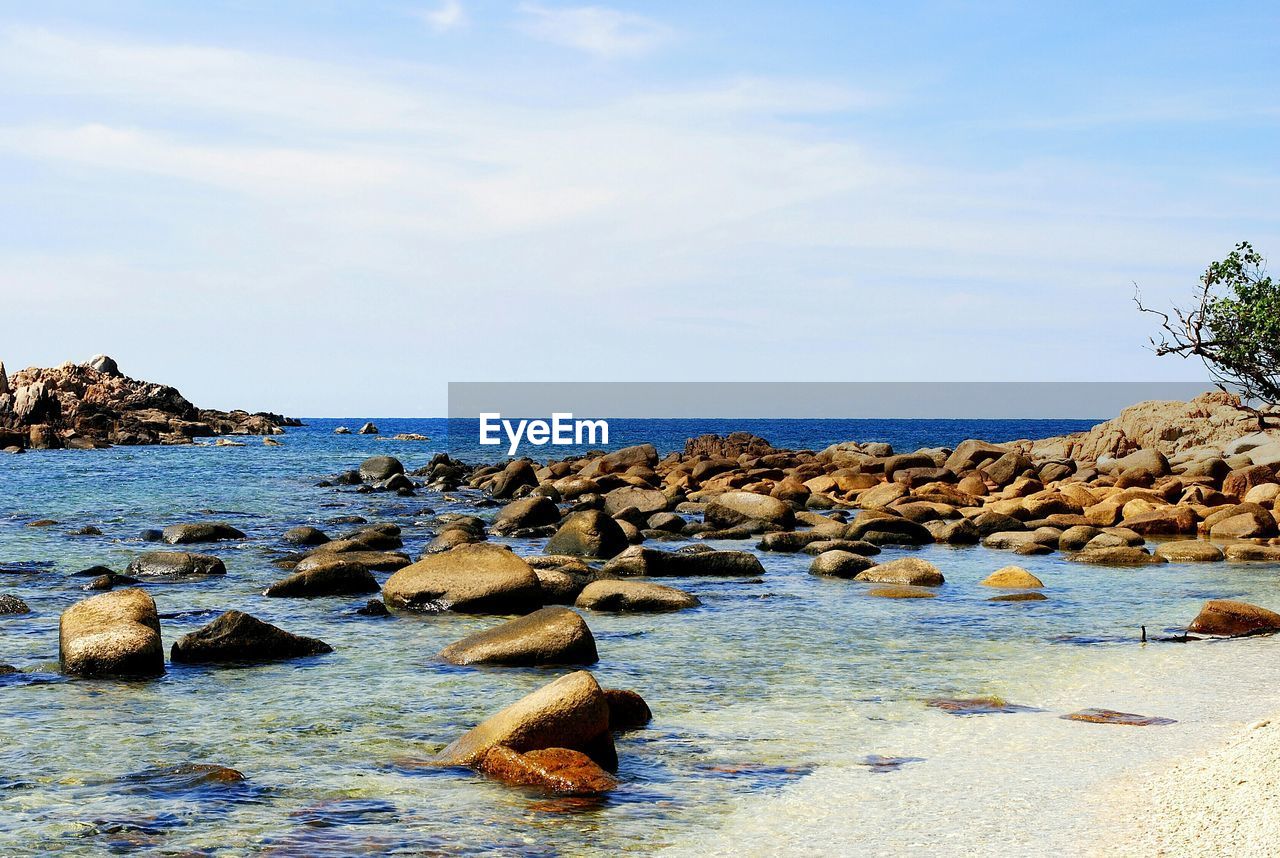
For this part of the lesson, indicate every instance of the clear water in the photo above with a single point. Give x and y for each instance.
(767, 699)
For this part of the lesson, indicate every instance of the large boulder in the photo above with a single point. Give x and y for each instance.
(213, 531)
(732, 508)
(571, 712)
(1189, 551)
(112, 635)
(588, 533)
(305, 535)
(634, 597)
(175, 564)
(908, 571)
(1115, 555)
(476, 579)
(1239, 482)
(972, 454)
(377, 468)
(549, 636)
(1250, 522)
(379, 561)
(1229, 618)
(239, 637)
(533, 511)
(640, 561)
(336, 578)
(515, 475)
(644, 455)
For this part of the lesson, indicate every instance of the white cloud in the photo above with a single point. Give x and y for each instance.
(597, 30)
(449, 15)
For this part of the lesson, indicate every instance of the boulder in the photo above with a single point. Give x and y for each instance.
(1163, 521)
(559, 771)
(175, 564)
(214, 531)
(627, 709)
(10, 604)
(304, 535)
(839, 564)
(1247, 551)
(646, 501)
(1012, 577)
(111, 635)
(1229, 618)
(634, 597)
(901, 592)
(1151, 462)
(239, 637)
(960, 531)
(1247, 524)
(733, 508)
(971, 453)
(553, 635)
(1189, 551)
(380, 561)
(588, 533)
(533, 511)
(1239, 482)
(377, 468)
(909, 571)
(337, 578)
(479, 579)
(1118, 555)
(369, 428)
(571, 712)
(515, 475)
(651, 562)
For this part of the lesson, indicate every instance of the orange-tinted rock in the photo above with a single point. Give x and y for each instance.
(557, 770)
(1229, 618)
(902, 593)
(1110, 716)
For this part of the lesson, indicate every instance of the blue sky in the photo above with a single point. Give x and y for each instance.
(334, 208)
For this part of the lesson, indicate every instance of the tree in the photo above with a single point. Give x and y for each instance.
(1233, 327)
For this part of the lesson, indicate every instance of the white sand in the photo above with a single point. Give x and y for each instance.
(1224, 802)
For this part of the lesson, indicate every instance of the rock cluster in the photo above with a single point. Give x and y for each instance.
(93, 404)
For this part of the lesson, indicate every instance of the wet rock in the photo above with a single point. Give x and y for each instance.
(634, 597)
(561, 587)
(1012, 577)
(1110, 716)
(512, 477)
(1019, 597)
(111, 635)
(588, 533)
(839, 564)
(627, 710)
(1120, 555)
(342, 430)
(87, 530)
(1246, 551)
(549, 636)
(527, 512)
(960, 531)
(1189, 551)
(175, 780)
(377, 561)
(645, 501)
(1249, 524)
(42, 522)
(151, 535)
(369, 428)
(571, 712)
(110, 581)
(175, 564)
(373, 608)
(732, 508)
(1013, 540)
(377, 468)
(881, 528)
(651, 562)
(666, 521)
(910, 571)
(1230, 618)
(338, 578)
(898, 592)
(881, 764)
(214, 531)
(482, 578)
(976, 705)
(304, 535)
(557, 770)
(1164, 521)
(10, 604)
(239, 637)
(1077, 537)
(854, 546)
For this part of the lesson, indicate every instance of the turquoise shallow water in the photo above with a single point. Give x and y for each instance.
(769, 685)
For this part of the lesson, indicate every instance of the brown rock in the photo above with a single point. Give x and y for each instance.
(112, 635)
(909, 571)
(1229, 618)
(478, 579)
(1012, 577)
(634, 597)
(557, 770)
(553, 635)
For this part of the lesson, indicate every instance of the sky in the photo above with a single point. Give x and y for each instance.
(332, 208)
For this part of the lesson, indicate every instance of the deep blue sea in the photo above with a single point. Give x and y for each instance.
(772, 684)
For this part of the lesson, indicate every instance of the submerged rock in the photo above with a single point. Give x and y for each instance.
(111, 635)
(911, 571)
(634, 597)
(1110, 716)
(557, 770)
(338, 578)
(901, 592)
(554, 635)
(651, 562)
(1230, 618)
(175, 564)
(571, 712)
(239, 637)
(183, 534)
(478, 579)
(10, 604)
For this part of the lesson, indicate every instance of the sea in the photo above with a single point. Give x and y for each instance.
(792, 714)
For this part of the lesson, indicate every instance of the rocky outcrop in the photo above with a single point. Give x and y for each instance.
(94, 404)
(111, 635)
